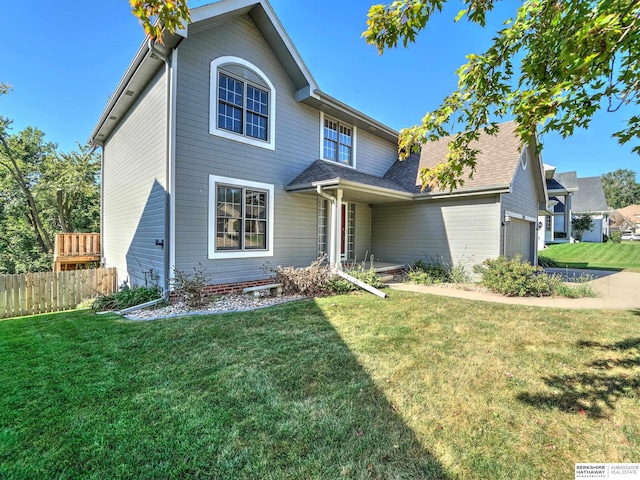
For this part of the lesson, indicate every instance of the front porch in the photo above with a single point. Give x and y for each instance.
(378, 267)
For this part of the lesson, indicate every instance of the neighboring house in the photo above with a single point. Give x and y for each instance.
(571, 197)
(560, 188)
(220, 152)
(590, 200)
(629, 218)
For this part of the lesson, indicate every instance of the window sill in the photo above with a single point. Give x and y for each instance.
(270, 145)
(240, 254)
(333, 162)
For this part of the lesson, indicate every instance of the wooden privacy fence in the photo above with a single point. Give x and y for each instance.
(31, 293)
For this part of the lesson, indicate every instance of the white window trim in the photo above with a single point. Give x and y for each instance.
(213, 105)
(214, 180)
(354, 142)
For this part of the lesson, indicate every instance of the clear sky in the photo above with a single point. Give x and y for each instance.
(65, 58)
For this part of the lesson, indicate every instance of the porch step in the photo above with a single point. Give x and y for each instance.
(385, 278)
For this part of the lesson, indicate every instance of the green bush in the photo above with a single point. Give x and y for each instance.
(616, 237)
(126, 297)
(580, 289)
(515, 278)
(431, 273)
(546, 262)
(340, 285)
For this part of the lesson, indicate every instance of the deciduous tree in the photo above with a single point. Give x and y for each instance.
(551, 67)
(157, 16)
(620, 188)
(582, 223)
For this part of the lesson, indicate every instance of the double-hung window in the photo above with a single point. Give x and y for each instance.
(240, 218)
(337, 142)
(242, 108)
(242, 103)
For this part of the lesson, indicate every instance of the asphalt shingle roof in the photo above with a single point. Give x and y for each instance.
(496, 162)
(321, 170)
(567, 179)
(589, 197)
(404, 173)
(496, 165)
(632, 212)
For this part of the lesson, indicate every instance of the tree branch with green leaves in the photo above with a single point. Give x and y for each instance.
(158, 16)
(551, 67)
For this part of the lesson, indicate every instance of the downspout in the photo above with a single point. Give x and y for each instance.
(334, 258)
(167, 203)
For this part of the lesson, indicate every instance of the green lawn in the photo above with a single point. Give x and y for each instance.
(353, 386)
(618, 256)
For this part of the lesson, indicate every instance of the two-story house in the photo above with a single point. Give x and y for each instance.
(220, 151)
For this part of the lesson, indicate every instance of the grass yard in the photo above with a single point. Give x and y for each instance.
(352, 386)
(616, 256)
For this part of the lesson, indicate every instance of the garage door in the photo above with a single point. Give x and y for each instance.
(519, 240)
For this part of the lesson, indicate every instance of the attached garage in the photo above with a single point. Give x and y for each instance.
(519, 239)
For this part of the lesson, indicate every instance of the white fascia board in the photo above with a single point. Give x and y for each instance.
(490, 190)
(352, 112)
(226, 7)
(140, 55)
(216, 9)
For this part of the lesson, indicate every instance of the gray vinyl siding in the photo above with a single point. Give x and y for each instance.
(363, 232)
(199, 154)
(374, 155)
(465, 230)
(523, 197)
(134, 186)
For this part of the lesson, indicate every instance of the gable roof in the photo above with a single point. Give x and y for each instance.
(589, 197)
(496, 164)
(631, 212)
(568, 180)
(148, 61)
(323, 172)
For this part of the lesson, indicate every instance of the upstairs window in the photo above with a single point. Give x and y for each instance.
(338, 140)
(242, 103)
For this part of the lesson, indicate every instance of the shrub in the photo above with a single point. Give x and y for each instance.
(190, 288)
(126, 297)
(582, 223)
(437, 272)
(580, 290)
(546, 262)
(311, 280)
(616, 237)
(341, 285)
(516, 278)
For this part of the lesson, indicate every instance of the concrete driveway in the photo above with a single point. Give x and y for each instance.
(616, 291)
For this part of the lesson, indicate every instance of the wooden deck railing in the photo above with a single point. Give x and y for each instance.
(74, 250)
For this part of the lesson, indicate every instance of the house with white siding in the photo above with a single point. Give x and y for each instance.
(220, 152)
(571, 196)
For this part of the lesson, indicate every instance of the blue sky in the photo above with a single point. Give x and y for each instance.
(65, 58)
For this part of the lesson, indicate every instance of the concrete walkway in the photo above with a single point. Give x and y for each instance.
(616, 291)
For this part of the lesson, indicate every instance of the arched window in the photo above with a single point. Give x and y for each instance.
(242, 103)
